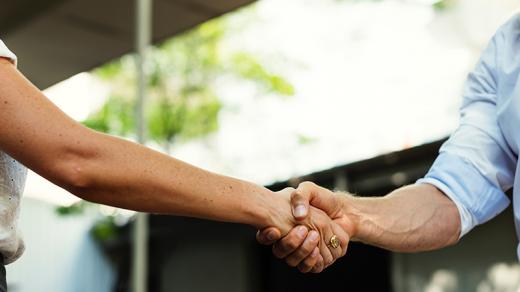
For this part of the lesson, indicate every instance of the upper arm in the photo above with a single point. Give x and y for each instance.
(33, 130)
(476, 165)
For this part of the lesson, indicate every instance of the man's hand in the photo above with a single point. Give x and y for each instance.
(410, 219)
(297, 249)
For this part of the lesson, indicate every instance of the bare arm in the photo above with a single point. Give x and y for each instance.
(410, 219)
(112, 171)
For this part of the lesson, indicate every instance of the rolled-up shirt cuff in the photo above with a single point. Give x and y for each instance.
(477, 199)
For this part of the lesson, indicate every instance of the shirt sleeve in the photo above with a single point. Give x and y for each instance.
(476, 166)
(6, 53)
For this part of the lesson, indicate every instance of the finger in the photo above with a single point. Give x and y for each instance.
(268, 235)
(309, 262)
(305, 250)
(326, 254)
(318, 267)
(319, 197)
(342, 236)
(289, 243)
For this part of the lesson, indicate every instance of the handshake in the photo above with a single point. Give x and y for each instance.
(310, 227)
(317, 231)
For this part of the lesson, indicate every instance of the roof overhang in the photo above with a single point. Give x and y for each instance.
(55, 39)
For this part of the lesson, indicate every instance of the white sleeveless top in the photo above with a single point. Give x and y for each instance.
(12, 182)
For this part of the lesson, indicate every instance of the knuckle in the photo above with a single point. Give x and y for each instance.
(320, 223)
(340, 253)
(296, 199)
(291, 262)
(291, 245)
(262, 238)
(289, 189)
(310, 263)
(307, 184)
(327, 261)
(277, 252)
(262, 241)
(301, 254)
(306, 249)
(304, 267)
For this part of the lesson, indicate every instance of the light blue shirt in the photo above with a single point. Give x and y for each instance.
(479, 162)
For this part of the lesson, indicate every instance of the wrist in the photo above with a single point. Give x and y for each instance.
(256, 208)
(350, 208)
(268, 209)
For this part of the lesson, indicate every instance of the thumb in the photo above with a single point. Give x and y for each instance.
(310, 193)
(300, 204)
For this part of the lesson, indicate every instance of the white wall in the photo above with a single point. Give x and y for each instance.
(60, 255)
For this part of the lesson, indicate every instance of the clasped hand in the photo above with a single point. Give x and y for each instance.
(318, 216)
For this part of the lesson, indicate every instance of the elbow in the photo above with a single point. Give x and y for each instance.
(454, 229)
(75, 171)
(75, 177)
(450, 226)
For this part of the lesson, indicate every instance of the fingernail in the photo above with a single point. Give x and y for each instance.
(302, 231)
(315, 253)
(300, 211)
(271, 235)
(313, 236)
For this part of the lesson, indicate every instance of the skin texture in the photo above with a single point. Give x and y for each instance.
(410, 219)
(112, 171)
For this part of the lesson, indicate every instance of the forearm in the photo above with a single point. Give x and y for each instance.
(119, 173)
(410, 219)
(112, 171)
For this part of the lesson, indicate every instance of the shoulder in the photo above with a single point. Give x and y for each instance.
(514, 21)
(506, 44)
(510, 30)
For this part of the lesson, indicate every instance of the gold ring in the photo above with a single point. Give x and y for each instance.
(334, 241)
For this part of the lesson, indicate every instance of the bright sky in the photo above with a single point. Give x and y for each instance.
(371, 77)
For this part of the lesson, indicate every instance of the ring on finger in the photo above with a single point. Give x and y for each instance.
(334, 241)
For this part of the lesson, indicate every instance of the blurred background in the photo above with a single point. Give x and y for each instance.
(355, 95)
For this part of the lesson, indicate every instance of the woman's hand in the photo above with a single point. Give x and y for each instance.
(309, 251)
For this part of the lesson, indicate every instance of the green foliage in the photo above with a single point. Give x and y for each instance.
(305, 140)
(74, 209)
(437, 5)
(115, 117)
(249, 68)
(105, 229)
(182, 100)
(443, 4)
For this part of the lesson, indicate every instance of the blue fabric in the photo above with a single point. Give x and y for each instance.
(479, 161)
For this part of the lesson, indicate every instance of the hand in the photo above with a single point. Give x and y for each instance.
(308, 258)
(301, 250)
